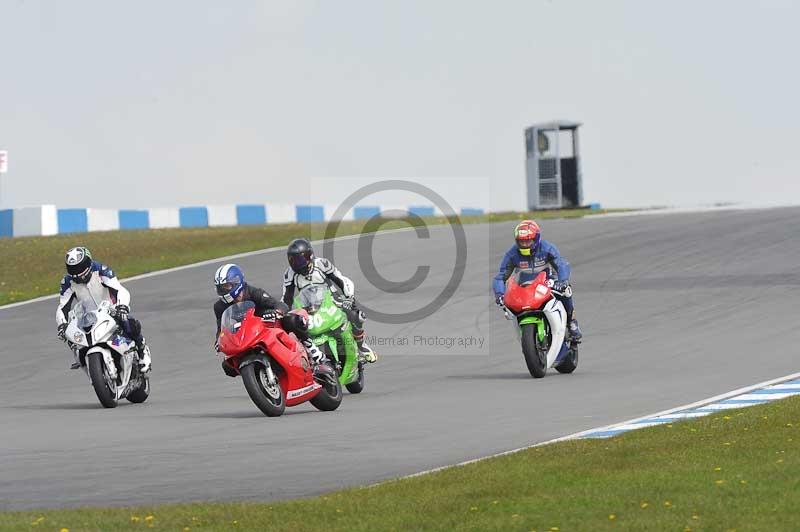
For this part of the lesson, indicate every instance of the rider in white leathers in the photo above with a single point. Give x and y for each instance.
(90, 281)
(305, 269)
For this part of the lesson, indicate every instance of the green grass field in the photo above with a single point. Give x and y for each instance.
(32, 267)
(736, 470)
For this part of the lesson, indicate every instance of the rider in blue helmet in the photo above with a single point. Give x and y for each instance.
(232, 288)
(229, 282)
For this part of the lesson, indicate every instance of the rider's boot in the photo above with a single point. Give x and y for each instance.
(574, 331)
(365, 350)
(145, 363)
(317, 356)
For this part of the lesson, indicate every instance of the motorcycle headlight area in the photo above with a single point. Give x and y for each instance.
(103, 330)
(87, 321)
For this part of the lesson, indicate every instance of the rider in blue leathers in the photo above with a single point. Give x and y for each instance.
(531, 251)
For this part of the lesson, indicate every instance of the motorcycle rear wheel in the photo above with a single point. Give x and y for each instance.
(330, 396)
(535, 359)
(570, 362)
(104, 386)
(140, 394)
(357, 386)
(267, 397)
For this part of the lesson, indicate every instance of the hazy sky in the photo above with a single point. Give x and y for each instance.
(153, 103)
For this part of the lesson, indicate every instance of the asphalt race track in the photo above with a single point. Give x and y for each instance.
(674, 308)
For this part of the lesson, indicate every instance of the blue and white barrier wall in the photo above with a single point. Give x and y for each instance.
(29, 221)
(49, 220)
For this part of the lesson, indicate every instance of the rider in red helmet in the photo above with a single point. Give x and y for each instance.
(531, 251)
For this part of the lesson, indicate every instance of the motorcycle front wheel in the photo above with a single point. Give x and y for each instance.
(535, 358)
(104, 386)
(330, 396)
(267, 396)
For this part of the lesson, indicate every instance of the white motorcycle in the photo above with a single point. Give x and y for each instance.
(541, 323)
(108, 358)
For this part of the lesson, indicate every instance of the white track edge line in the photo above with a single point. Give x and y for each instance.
(577, 435)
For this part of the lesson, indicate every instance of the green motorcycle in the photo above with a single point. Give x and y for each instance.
(332, 333)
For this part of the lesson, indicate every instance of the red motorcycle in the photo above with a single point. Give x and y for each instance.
(274, 364)
(541, 319)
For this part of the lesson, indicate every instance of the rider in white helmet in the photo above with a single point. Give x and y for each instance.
(86, 281)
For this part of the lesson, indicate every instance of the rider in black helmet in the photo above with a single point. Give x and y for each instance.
(305, 269)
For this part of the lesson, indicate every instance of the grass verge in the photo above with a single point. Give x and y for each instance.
(32, 267)
(736, 470)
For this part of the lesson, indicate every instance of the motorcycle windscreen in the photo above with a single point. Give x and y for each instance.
(312, 297)
(526, 276)
(84, 315)
(234, 315)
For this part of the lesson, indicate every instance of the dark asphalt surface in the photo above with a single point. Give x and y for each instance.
(674, 308)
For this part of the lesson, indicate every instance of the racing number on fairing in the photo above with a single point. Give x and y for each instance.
(317, 319)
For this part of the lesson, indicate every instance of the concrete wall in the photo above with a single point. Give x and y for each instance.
(35, 221)
(222, 215)
(162, 218)
(102, 219)
(281, 214)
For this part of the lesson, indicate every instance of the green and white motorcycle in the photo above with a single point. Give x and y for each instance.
(332, 333)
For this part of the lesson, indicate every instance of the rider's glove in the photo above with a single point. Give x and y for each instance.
(272, 315)
(62, 332)
(347, 303)
(122, 312)
(560, 286)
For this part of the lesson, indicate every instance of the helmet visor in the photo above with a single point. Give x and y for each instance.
(224, 288)
(299, 263)
(228, 285)
(83, 276)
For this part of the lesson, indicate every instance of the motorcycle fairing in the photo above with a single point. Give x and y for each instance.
(556, 316)
(104, 340)
(283, 347)
(335, 341)
(299, 393)
(126, 361)
(538, 321)
(532, 296)
(328, 325)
